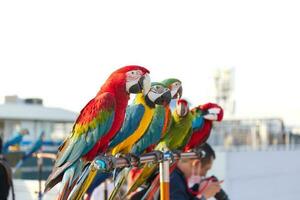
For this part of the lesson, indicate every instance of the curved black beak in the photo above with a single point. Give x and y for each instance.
(164, 99)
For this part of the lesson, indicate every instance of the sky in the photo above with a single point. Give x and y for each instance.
(62, 51)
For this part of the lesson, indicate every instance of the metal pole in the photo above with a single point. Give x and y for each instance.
(164, 179)
(105, 190)
(108, 163)
(40, 165)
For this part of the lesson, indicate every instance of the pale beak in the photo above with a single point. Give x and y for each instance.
(146, 84)
(214, 110)
(211, 117)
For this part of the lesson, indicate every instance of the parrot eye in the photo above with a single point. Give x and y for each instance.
(133, 75)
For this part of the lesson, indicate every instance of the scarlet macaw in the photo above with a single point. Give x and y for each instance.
(96, 125)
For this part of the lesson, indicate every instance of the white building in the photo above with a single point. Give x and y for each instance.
(18, 113)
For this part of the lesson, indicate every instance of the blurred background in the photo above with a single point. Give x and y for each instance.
(243, 55)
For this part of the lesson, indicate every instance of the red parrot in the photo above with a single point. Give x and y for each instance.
(210, 112)
(96, 125)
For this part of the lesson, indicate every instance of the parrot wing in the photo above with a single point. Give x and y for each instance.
(134, 114)
(198, 121)
(94, 121)
(153, 133)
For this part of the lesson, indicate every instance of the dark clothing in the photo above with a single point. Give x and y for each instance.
(179, 188)
(4, 186)
(5, 179)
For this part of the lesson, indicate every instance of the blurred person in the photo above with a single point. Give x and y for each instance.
(198, 183)
(5, 177)
(179, 189)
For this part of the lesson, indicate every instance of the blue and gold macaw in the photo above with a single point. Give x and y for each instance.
(35, 147)
(16, 139)
(138, 118)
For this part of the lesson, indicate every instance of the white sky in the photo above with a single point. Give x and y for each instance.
(62, 51)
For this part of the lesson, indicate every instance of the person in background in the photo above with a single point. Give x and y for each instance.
(179, 189)
(197, 181)
(5, 177)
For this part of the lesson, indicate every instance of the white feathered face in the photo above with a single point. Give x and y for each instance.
(159, 94)
(136, 82)
(212, 114)
(176, 90)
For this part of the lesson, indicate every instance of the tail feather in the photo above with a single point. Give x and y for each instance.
(67, 176)
(121, 178)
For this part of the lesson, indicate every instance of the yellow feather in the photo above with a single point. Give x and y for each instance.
(127, 144)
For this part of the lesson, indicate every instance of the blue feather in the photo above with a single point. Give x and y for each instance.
(134, 114)
(153, 134)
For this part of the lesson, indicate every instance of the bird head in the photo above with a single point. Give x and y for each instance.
(175, 87)
(134, 79)
(158, 94)
(182, 107)
(212, 112)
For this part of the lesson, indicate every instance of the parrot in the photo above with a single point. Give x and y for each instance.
(181, 128)
(160, 124)
(15, 139)
(35, 147)
(138, 118)
(96, 125)
(137, 122)
(210, 112)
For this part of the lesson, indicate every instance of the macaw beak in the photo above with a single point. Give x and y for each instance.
(181, 109)
(164, 99)
(212, 114)
(179, 92)
(146, 83)
(142, 85)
